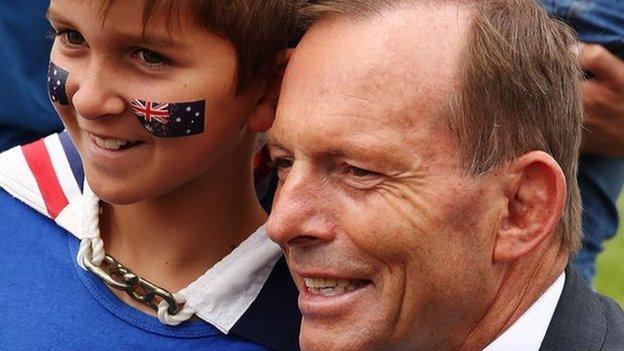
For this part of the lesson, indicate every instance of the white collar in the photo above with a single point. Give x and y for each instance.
(528, 332)
(222, 294)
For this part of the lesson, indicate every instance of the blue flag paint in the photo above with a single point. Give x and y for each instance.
(57, 79)
(170, 120)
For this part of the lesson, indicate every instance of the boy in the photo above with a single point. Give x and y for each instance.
(162, 100)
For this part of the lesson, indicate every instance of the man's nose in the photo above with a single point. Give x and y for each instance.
(95, 93)
(300, 212)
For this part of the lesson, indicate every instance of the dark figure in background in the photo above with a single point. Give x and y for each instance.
(601, 166)
(26, 112)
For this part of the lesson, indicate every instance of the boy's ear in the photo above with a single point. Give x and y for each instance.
(263, 115)
(535, 188)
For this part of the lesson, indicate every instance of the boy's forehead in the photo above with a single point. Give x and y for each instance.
(155, 20)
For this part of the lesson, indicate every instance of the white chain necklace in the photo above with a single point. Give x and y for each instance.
(171, 307)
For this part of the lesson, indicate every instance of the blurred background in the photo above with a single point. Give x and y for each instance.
(610, 266)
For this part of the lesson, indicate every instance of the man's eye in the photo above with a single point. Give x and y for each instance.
(360, 178)
(359, 172)
(152, 58)
(282, 163)
(281, 166)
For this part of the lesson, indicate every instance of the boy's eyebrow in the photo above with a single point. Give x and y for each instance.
(155, 40)
(56, 18)
(149, 39)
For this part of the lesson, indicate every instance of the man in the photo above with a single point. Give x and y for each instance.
(427, 152)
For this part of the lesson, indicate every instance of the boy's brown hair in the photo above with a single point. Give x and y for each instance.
(259, 30)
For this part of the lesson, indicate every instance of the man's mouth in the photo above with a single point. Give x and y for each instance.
(331, 287)
(113, 144)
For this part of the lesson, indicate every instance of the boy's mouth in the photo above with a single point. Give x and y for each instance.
(112, 144)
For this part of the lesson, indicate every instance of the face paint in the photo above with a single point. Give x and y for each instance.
(170, 120)
(57, 79)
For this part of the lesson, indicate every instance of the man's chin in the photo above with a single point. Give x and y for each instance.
(337, 337)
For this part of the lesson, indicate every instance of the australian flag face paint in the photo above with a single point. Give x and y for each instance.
(170, 120)
(57, 79)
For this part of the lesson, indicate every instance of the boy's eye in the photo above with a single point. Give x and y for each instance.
(151, 58)
(74, 37)
(69, 36)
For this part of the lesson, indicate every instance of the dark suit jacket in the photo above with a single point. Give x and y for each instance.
(584, 320)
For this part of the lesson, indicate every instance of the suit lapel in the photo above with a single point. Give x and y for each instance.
(579, 322)
(273, 319)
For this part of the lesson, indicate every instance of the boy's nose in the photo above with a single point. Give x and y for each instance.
(95, 94)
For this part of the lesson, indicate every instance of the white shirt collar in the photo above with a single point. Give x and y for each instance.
(223, 294)
(528, 332)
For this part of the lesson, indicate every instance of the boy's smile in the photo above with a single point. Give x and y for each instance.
(115, 62)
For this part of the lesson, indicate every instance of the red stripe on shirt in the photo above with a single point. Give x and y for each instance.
(40, 164)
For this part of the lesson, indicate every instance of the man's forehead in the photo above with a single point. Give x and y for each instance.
(390, 61)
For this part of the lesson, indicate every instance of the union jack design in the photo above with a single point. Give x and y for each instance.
(46, 174)
(151, 111)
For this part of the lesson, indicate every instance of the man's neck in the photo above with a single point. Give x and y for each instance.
(523, 282)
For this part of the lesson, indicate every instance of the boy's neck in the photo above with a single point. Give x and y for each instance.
(173, 239)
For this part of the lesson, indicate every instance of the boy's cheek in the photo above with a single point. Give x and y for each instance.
(171, 120)
(164, 120)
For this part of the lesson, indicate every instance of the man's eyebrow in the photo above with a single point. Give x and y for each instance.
(270, 141)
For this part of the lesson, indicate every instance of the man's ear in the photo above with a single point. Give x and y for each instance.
(535, 188)
(263, 115)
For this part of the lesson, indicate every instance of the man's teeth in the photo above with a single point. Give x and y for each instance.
(111, 144)
(330, 287)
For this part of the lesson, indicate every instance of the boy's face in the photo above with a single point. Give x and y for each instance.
(111, 64)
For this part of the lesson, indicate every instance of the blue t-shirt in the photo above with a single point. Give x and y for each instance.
(49, 302)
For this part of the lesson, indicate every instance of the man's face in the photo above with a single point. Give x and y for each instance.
(115, 62)
(388, 240)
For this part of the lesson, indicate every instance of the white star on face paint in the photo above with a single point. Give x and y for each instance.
(58, 82)
(196, 114)
(188, 109)
(178, 119)
(55, 72)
